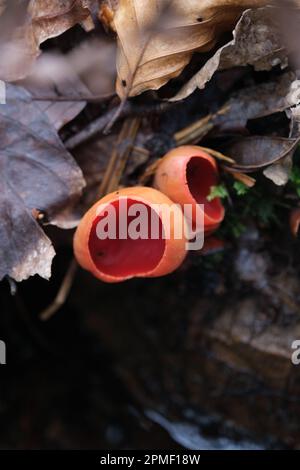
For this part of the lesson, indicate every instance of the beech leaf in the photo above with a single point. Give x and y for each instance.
(257, 101)
(42, 20)
(157, 38)
(37, 176)
(256, 41)
(255, 152)
(58, 112)
(279, 172)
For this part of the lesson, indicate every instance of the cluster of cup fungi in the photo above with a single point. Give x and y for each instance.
(184, 176)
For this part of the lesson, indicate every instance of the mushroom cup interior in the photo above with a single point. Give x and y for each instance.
(126, 257)
(201, 176)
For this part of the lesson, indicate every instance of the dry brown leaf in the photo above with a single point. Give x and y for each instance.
(289, 23)
(156, 38)
(293, 100)
(92, 61)
(256, 42)
(256, 152)
(58, 112)
(280, 172)
(37, 176)
(257, 101)
(44, 19)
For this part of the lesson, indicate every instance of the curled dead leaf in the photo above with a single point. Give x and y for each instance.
(293, 100)
(43, 19)
(279, 172)
(256, 41)
(37, 176)
(91, 62)
(256, 152)
(257, 101)
(58, 112)
(156, 38)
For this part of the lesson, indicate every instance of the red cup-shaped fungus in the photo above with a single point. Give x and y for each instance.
(186, 175)
(125, 235)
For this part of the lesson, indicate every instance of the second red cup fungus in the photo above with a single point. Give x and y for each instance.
(186, 175)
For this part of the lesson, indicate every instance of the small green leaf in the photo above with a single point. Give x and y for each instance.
(217, 191)
(240, 188)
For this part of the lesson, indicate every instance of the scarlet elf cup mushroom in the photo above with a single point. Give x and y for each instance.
(186, 175)
(121, 256)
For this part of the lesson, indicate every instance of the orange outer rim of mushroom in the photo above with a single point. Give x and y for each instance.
(180, 176)
(174, 250)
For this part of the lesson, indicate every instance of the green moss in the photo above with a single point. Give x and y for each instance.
(240, 188)
(218, 191)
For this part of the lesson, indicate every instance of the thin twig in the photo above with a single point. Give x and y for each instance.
(62, 293)
(195, 132)
(122, 105)
(149, 171)
(119, 156)
(218, 155)
(90, 130)
(70, 98)
(132, 127)
(111, 167)
(249, 181)
(128, 110)
(117, 114)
